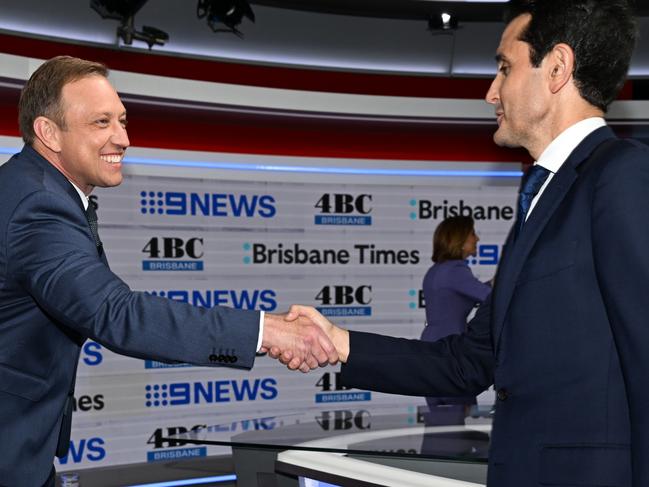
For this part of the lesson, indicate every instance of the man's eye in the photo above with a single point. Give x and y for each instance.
(504, 69)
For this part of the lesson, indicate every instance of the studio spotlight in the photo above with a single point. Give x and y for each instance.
(442, 21)
(228, 13)
(124, 11)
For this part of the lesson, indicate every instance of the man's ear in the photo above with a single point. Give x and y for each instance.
(48, 132)
(561, 63)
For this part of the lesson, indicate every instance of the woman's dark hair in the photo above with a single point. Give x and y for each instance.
(449, 238)
(602, 34)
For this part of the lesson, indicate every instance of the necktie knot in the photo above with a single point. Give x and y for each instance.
(91, 216)
(532, 183)
(534, 179)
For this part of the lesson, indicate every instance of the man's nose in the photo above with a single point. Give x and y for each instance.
(492, 93)
(120, 136)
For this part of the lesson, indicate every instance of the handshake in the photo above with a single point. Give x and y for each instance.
(304, 339)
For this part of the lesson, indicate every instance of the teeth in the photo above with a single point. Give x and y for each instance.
(112, 158)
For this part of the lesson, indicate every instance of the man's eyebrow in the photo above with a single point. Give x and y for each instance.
(109, 114)
(500, 58)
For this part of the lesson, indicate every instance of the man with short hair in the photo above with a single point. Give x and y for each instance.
(56, 289)
(565, 335)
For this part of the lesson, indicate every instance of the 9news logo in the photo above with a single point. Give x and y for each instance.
(210, 392)
(262, 299)
(176, 203)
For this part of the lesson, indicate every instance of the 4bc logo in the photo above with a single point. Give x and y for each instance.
(344, 295)
(326, 384)
(160, 437)
(344, 209)
(343, 301)
(344, 204)
(344, 419)
(174, 248)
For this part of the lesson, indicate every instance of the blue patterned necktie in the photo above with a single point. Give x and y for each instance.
(91, 216)
(532, 183)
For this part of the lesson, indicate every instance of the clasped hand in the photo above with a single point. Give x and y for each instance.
(302, 339)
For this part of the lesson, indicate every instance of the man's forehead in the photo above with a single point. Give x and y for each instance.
(511, 36)
(95, 92)
(514, 29)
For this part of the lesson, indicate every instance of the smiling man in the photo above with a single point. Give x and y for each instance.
(564, 337)
(56, 289)
(88, 142)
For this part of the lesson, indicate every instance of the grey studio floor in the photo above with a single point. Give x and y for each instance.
(150, 473)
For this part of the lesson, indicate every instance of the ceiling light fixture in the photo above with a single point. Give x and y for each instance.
(443, 21)
(228, 13)
(124, 11)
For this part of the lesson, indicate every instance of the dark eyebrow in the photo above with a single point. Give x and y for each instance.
(110, 114)
(500, 58)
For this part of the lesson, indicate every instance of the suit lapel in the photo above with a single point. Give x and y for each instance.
(56, 175)
(65, 185)
(516, 254)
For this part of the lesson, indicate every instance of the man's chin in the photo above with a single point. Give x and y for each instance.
(111, 182)
(503, 140)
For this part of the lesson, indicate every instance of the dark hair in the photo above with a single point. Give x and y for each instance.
(602, 34)
(41, 95)
(449, 238)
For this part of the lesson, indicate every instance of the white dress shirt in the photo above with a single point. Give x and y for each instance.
(84, 200)
(560, 148)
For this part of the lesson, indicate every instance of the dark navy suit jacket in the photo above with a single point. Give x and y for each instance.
(56, 291)
(564, 336)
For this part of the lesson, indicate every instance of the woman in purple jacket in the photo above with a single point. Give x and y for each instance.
(451, 291)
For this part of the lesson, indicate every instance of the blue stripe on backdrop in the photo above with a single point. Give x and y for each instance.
(196, 481)
(313, 169)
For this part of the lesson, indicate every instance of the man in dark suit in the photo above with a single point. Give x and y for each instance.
(565, 335)
(56, 289)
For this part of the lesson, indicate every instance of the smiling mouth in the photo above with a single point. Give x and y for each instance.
(112, 158)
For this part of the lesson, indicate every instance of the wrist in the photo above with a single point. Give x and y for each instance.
(340, 339)
(271, 322)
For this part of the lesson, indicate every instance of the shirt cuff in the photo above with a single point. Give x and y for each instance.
(261, 329)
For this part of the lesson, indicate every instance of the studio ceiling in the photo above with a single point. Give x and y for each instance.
(365, 35)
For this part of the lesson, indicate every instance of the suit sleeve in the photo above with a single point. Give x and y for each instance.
(620, 236)
(464, 282)
(53, 257)
(458, 365)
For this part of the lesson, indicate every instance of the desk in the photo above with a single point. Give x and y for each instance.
(370, 446)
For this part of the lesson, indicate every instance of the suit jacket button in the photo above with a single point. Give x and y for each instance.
(502, 394)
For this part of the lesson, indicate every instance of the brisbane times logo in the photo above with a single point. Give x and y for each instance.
(179, 203)
(344, 209)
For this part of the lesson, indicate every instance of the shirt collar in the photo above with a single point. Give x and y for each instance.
(560, 148)
(84, 198)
